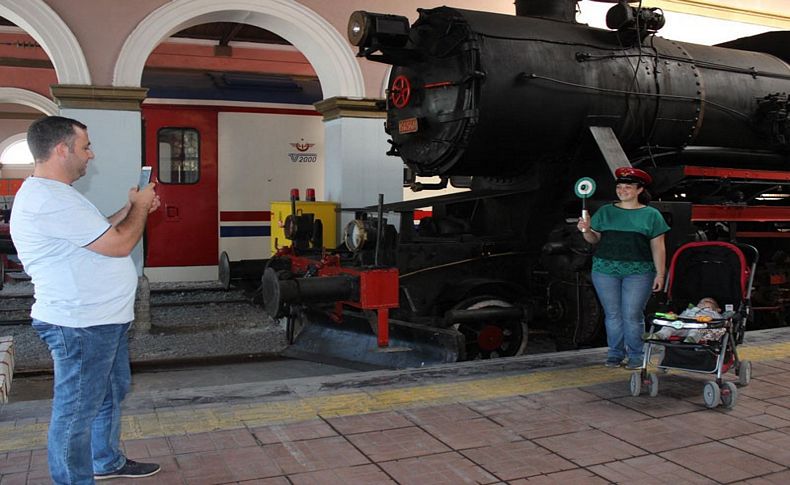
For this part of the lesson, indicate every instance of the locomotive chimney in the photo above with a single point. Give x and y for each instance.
(562, 10)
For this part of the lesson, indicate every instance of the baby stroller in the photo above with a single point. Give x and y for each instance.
(725, 272)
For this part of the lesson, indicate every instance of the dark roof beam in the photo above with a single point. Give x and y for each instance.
(223, 49)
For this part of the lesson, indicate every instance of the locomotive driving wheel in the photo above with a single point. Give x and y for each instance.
(570, 329)
(494, 338)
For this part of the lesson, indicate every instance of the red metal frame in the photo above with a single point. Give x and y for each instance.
(762, 234)
(739, 213)
(732, 173)
(378, 287)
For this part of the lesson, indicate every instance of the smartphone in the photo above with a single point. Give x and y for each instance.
(145, 177)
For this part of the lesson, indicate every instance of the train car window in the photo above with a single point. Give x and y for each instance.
(178, 155)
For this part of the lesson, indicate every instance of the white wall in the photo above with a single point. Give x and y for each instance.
(256, 168)
(115, 138)
(358, 167)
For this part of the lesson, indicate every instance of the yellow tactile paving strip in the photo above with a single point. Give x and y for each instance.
(186, 420)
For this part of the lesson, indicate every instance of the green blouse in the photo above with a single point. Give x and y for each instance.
(624, 248)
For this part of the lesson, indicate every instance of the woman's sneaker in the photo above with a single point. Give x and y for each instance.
(612, 363)
(633, 365)
(131, 469)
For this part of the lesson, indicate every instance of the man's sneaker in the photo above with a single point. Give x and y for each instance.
(612, 363)
(131, 469)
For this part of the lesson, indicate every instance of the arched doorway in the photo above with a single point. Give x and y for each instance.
(49, 30)
(319, 41)
(243, 219)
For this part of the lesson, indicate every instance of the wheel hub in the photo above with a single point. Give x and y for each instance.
(490, 338)
(400, 92)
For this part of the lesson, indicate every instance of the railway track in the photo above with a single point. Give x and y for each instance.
(208, 296)
(15, 309)
(170, 364)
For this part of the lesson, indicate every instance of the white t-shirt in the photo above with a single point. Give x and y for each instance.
(51, 223)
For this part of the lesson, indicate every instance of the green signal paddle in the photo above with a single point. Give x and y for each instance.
(584, 188)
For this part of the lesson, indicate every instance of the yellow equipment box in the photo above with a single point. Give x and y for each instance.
(325, 211)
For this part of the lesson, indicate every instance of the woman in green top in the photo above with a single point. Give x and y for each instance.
(628, 263)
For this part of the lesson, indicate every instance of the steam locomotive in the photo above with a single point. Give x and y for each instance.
(516, 108)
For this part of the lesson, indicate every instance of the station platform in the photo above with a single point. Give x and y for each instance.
(547, 418)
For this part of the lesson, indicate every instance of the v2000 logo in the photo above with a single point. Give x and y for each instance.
(301, 155)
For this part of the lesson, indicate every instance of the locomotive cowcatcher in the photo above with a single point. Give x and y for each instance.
(515, 109)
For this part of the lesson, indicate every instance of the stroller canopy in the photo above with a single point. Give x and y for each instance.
(709, 269)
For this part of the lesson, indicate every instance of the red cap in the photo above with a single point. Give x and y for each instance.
(631, 175)
(310, 195)
(295, 194)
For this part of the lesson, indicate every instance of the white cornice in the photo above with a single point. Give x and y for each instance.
(29, 98)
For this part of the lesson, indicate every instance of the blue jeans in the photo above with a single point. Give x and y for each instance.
(623, 299)
(91, 379)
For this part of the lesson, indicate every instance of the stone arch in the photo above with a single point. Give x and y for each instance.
(57, 40)
(29, 98)
(4, 144)
(322, 45)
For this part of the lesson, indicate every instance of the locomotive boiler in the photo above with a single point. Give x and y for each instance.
(515, 108)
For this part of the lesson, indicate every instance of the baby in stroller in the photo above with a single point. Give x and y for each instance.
(706, 310)
(702, 338)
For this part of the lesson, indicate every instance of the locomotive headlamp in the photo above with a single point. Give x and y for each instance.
(369, 31)
(358, 26)
(356, 235)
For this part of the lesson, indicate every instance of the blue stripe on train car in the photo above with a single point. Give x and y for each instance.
(245, 231)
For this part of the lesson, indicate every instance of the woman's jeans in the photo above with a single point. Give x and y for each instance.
(91, 379)
(624, 299)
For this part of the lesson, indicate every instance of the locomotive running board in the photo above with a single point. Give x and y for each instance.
(352, 344)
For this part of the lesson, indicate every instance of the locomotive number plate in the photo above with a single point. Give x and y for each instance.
(409, 125)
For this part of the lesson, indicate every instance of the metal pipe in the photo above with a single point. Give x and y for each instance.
(379, 229)
(420, 186)
(294, 198)
(278, 294)
(318, 290)
(483, 314)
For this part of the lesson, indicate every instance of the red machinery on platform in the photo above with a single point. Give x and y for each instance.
(327, 280)
(339, 305)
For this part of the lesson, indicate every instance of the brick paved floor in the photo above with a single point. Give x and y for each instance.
(587, 435)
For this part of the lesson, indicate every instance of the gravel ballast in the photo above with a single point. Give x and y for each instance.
(192, 331)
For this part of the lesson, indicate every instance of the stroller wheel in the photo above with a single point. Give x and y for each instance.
(636, 383)
(729, 395)
(653, 380)
(744, 372)
(711, 394)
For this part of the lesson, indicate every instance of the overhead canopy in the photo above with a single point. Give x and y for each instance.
(775, 43)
